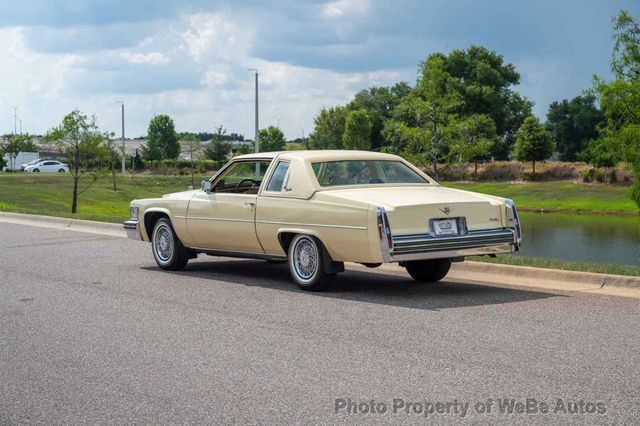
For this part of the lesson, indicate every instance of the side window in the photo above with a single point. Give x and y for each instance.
(243, 177)
(277, 178)
(49, 163)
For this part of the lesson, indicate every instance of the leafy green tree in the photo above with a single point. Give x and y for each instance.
(533, 142)
(619, 99)
(426, 126)
(484, 82)
(357, 130)
(11, 147)
(272, 139)
(329, 127)
(573, 123)
(162, 140)
(80, 141)
(379, 102)
(478, 135)
(14, 144)
(218, 149)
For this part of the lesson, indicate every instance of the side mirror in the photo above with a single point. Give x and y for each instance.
(207, 186)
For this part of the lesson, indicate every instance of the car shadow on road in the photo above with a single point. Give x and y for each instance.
(364, 286)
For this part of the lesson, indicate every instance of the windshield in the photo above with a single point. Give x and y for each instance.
(364, 172)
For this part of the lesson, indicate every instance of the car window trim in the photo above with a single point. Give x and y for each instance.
(284, 181)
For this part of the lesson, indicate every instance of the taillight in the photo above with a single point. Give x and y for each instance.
(515, 220)
(384, 230)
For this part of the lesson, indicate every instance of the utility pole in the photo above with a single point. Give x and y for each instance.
(20, 121)
(15, 119)
(123, 149)
(257, 136)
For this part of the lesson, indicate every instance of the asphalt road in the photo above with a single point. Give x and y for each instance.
(92, 332)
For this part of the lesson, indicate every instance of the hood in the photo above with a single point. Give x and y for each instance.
(181, 195)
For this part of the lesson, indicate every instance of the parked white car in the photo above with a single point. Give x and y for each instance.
(48, 166)
(32, 163)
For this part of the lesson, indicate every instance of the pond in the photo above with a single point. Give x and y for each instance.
(601, 239)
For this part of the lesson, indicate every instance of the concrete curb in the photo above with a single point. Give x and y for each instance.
(104, 228)
(601, 280)
(476, 271)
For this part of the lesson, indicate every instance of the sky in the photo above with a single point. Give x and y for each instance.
(190, 59)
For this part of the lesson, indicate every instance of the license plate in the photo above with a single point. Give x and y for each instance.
(445, 227)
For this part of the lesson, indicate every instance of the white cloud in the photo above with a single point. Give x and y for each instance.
(193, 68)
(152, 58)
(344, 8)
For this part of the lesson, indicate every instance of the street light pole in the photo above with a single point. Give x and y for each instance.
(257, 129)
(123, 149)
(15, 119)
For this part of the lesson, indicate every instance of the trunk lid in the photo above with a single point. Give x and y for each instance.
(410, 208)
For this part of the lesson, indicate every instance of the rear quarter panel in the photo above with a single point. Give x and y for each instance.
(342, 228)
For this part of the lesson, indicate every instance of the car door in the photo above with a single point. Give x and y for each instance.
(224, 219)
(49, 166)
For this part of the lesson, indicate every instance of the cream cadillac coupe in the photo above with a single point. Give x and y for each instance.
(319, 209)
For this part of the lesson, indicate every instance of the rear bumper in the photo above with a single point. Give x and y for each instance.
(132, 229)
(427, 246)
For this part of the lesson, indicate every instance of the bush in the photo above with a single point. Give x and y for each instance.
(587, 175)
(501, 172)
(561, 171)
(599, 176)
(634, 193)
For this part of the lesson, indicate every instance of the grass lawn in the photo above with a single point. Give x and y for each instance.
(51, 194)
(560, 196)
(538, 262)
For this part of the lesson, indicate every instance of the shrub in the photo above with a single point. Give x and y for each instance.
(634, 193)
(587, 175)
(599, 176)
(501, 171)
(561, 171)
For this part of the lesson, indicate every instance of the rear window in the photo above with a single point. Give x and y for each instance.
(364, 172)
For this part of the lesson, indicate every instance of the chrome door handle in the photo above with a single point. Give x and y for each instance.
(250, 204)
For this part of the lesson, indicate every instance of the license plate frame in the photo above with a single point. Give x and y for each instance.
(446, 227)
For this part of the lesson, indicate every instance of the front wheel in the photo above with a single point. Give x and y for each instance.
(168, 251)
(306, 263)
(428, 271)
(36, 170)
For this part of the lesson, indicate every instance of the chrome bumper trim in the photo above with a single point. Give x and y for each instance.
(426, 246)
(133, 232)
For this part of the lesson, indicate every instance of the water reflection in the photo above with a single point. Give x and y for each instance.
(602, 239)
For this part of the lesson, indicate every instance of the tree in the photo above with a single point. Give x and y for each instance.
(79, 140)
(11, 148)
(357, 130)
(379, 102)
(218, 149)
(272, 139)
(14, 144)
(533, 142)
(162, 140)
(425, 124)
(484, 82)
(329, 127)
(573, 123)
(619, 99)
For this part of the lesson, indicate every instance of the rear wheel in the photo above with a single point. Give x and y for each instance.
(61, 171)
(428, 271)
(306, 263)
(168, 251)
